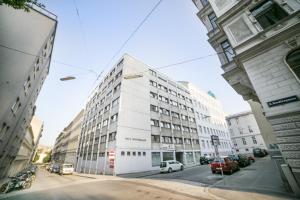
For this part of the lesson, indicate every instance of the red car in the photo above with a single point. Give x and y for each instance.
(225, 164)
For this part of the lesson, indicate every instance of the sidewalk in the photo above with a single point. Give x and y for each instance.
(188, 190)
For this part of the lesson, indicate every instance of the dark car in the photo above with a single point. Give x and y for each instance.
(204, 160)
(226, 164)
(258, 152)
(54, 168)
(251, 159)
(242, 160)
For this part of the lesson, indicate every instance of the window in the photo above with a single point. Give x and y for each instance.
(213, 20)
(109, 94)
(178, 140)
(118, 75)
(134, 153)
(152, 72)
(117, 88)
(250, 129)
(268, 13)
(192, 119)
(122, 153)
(164, 111)
(254, 140)
(172, 92)
(114, 118)
(4, 129)
(166, 139)
(155, 138)
(193, 130)
(184, 117)
(293, 60)
(228, 51)
(187, 141)
(155, 158)
(139, 153)
(175, 115)
(190, 109)
(154, 122)
(144, 153)
(244, 141)
(182, 106)
(165, 124)
(103, 139)
(105, 122)
(120, 63)
(176, 127)
(115, 102)
(153, 83)
(106, 108)
(16, 106)
(200, 129)
(173, 103)
(204, 2)
(128, 153)
(186, 129)
(163, 99)
(153, 95)
(153, 108)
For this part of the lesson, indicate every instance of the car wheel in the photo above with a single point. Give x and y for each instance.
(212, 171)
(231, 172)
(170, 170)
(181, 168)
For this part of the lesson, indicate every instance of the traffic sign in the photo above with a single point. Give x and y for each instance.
(111, 155)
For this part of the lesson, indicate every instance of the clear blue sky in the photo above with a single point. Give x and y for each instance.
(173, 33)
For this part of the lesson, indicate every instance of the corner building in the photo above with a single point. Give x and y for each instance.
(140, 115)
(258, 44)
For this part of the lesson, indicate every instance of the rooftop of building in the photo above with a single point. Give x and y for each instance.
(240, 114)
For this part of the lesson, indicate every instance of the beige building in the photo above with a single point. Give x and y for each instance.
(28, 147)
(42, 151)
(66, 143)
(26, 40)
(258, 45)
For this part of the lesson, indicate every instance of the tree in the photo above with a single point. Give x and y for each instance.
(47, 158)
(36, 157)
(21, 4)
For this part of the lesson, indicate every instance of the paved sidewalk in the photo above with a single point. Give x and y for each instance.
(192, 191)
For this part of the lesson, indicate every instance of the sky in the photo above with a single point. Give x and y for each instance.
(173, 33)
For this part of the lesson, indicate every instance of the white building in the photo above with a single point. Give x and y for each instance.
(26, 40)
(245, 133)
(210, 119)
(142, 117)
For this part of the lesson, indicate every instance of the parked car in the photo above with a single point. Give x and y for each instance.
(251, 159)
(170, 165)
(242, 160)
(258, 152)
(66, 169)
(54, 168)
(204, 160)
(226, 164)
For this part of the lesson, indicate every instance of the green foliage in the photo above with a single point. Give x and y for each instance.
(21, 4)
(36, 157)
(47, 158)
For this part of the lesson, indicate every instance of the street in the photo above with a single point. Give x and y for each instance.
(260, 180)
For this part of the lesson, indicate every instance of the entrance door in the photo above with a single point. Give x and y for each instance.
(179, 157)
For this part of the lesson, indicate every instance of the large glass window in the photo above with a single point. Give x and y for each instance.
(213, 20)
(155, 159)
(228, 51)
(293, 60)
(268, 13)
(168, 156)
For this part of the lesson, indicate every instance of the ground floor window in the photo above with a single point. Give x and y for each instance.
(189, 157)
(197, 156)
(168, 156)
(155, 159)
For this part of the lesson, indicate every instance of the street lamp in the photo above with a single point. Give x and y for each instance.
(67, 78)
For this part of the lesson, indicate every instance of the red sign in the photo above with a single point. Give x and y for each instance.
(111, 155)
(111, 163)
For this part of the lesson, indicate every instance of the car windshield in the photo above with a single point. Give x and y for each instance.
(219, 160)
(163, 164)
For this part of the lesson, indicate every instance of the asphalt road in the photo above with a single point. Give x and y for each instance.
(52, 187)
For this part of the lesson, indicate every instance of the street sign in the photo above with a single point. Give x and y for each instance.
(215, 140)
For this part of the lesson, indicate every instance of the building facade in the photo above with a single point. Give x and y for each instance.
(210, 119)
(66, 144)
(258, 45)
(28, 147)
(139, 116)
(26, 40)
(245, 133)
